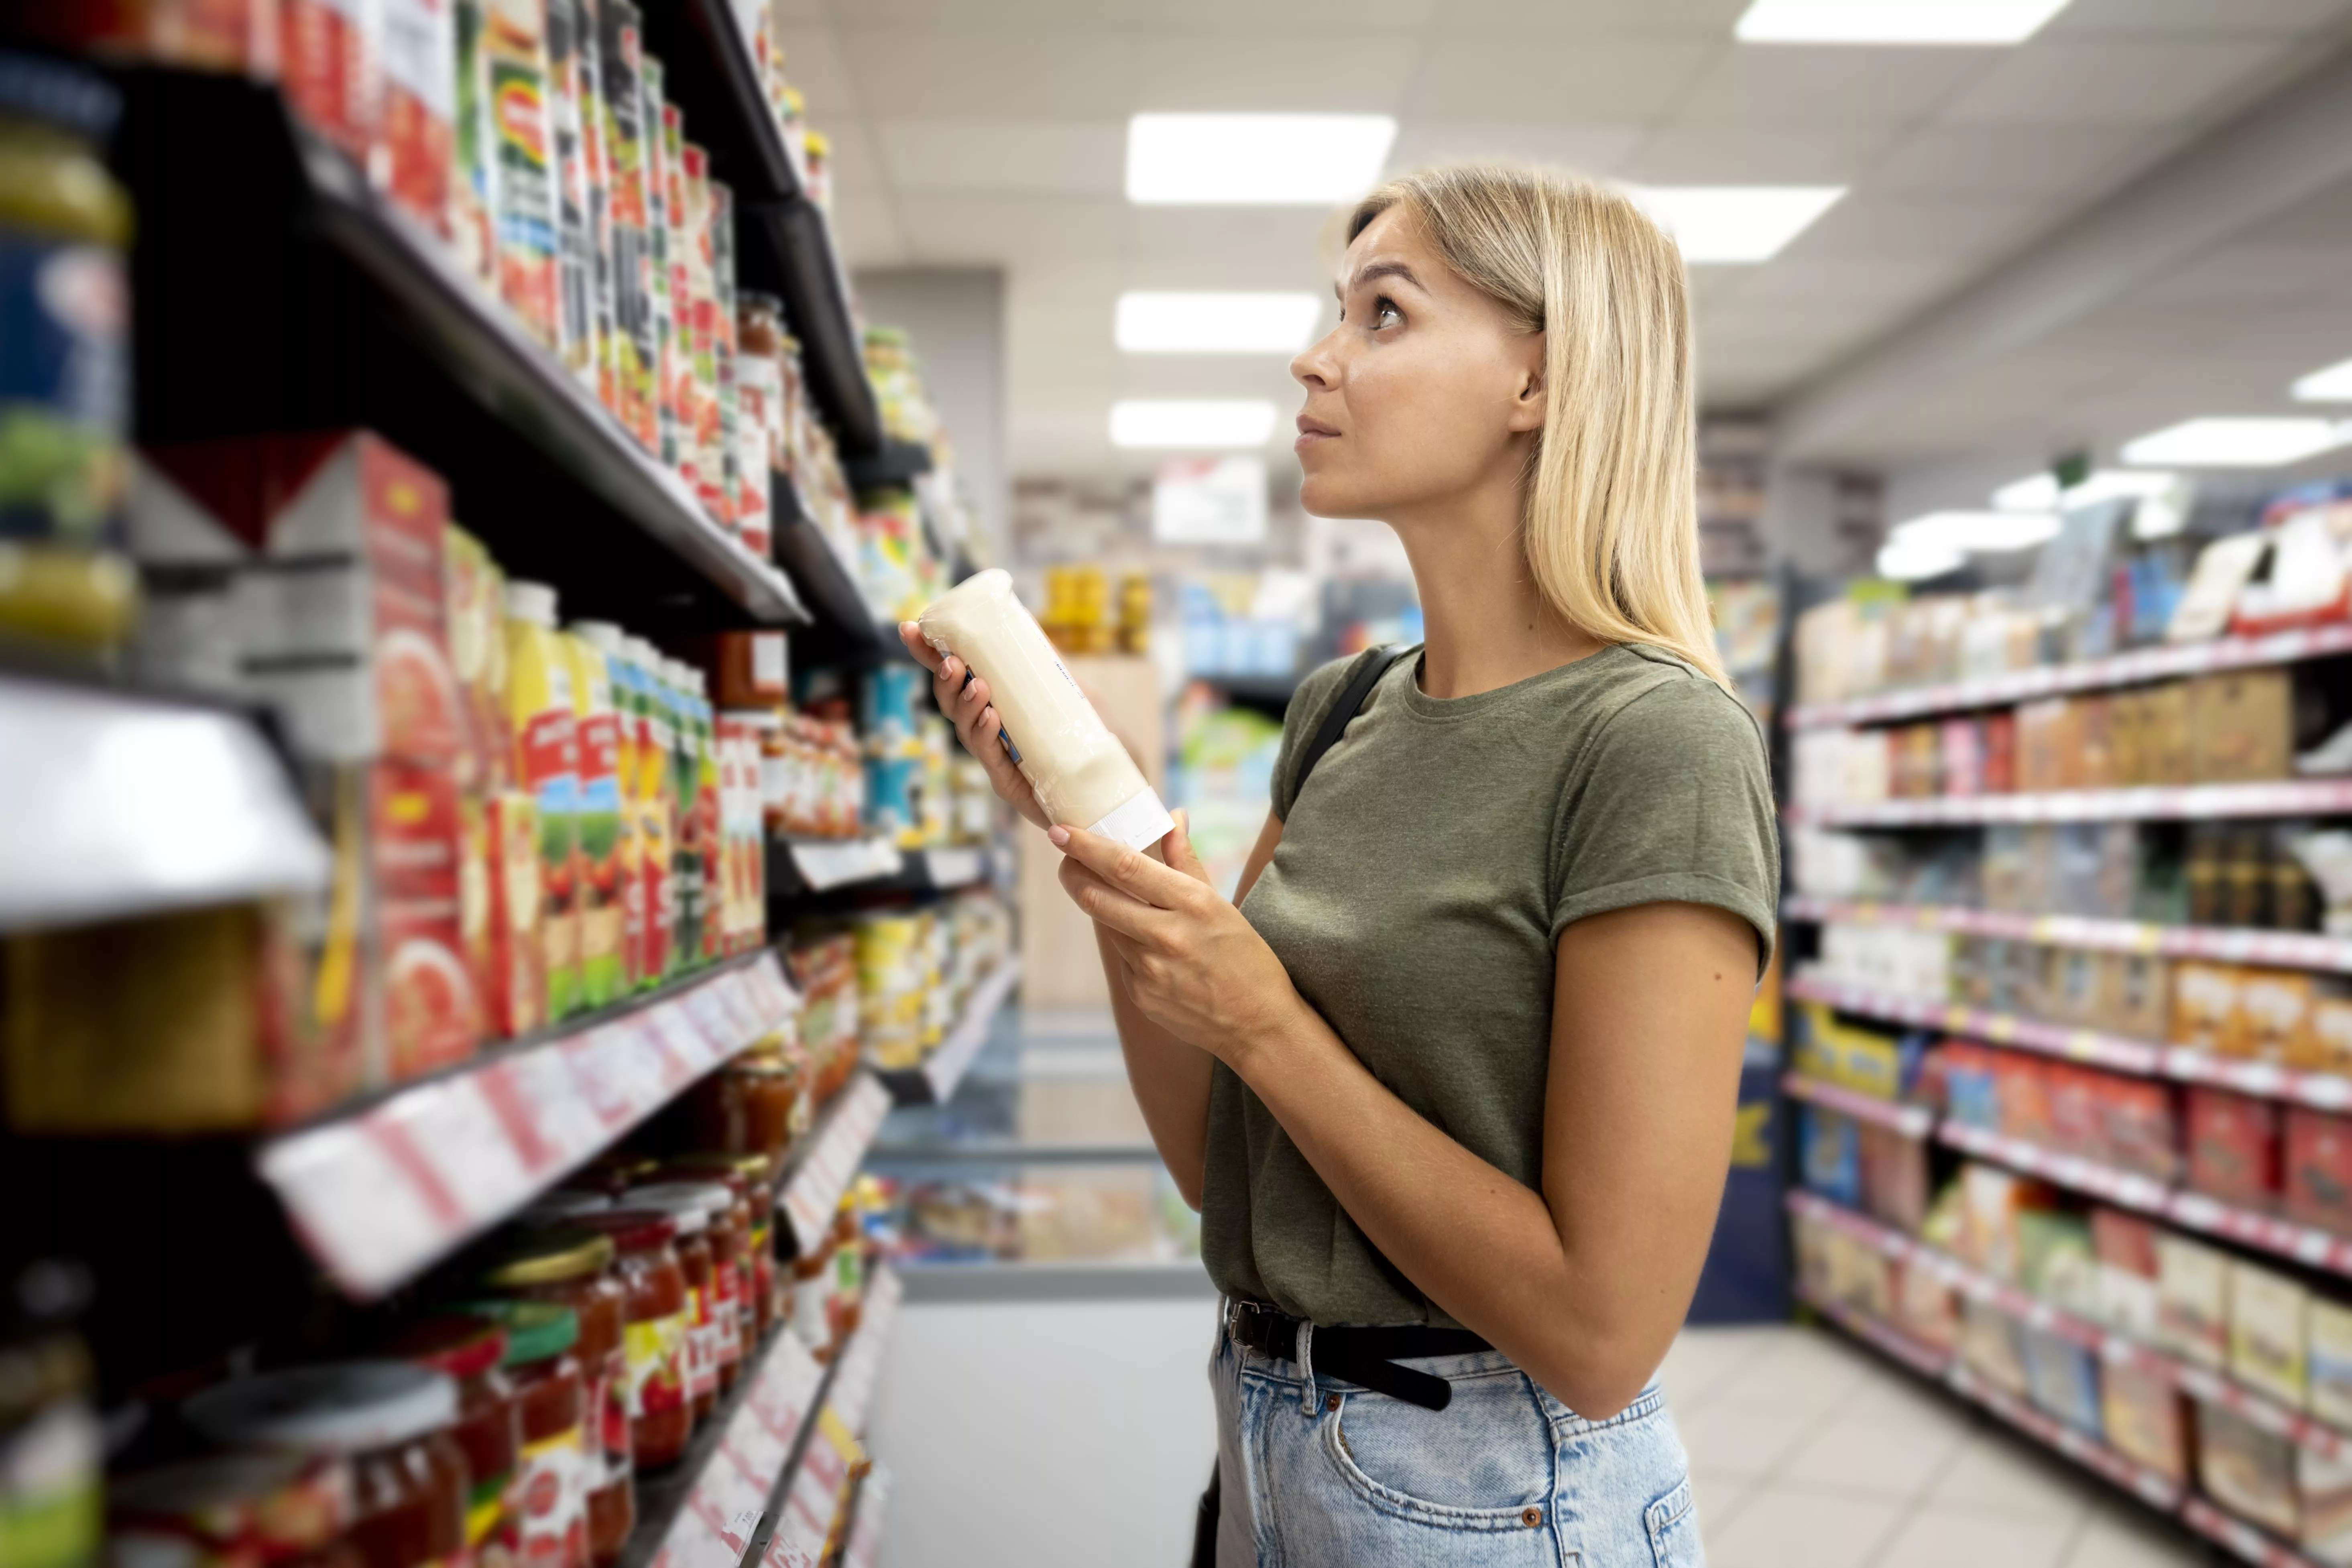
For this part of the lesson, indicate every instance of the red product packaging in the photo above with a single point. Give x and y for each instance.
(2141, 1131)
(207, 34)
(1962, 750)
(2024, 1099)
(2000, 764)
(329, 55)
(431, 1011)
(2077, 1108)
(414, 146)
(2233, 1146)
(2319, 1168)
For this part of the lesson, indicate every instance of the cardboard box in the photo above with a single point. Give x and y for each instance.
(2274, 1006)
(2056, 1262)
(1924, 1307)
(2267, 1333)
(2205, 1005)
(2324, 1488)
(2168, 748)
(2000, 753)
(2125, 1246)
(2318, 1174)
(2142, 1415)
(2127, 737)
(2062, 1378)
(2328, 1355)
(2135, 995)
(2233, 1146)
(2242, 726)
(1991, 1200)
(2247, 1470)
(2327, 1044)
(2049, 745)
(2095, 756)
(2192, 1308)
(1989, 1346)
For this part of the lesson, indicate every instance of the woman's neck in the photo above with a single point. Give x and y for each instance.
(1487, 623)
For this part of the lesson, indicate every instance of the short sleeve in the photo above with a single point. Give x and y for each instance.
(1673, 806)
(1300, 719)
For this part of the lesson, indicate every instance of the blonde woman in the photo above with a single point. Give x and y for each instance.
(1453, 1084)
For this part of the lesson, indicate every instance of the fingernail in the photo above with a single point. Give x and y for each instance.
(1059, 834)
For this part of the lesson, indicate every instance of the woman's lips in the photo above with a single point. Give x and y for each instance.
(1311, 431)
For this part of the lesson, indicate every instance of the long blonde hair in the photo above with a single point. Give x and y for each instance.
(1610, 525)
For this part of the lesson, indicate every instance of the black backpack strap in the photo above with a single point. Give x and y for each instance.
(1349, 703)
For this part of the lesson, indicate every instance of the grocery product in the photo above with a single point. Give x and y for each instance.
(655, 1314)
(331, 68)
(50, 1441)
(688, 1214)
(1990, 1347)
(625, 680)
(655, 798)
(2192, 1313)
(572, 114)
(2060, 1378)
(2140, 1412)
(1081, 773)
(2267, 1335)
(414, 150)
(2127, 1291)
(556, 1459)
(2328, 1348)
(473, 144)
(2246, 1469)
(547, 766)
(596, 819)
(523, 179)
(633, 350)
(468, 1350)
(230, 1508)
(2233, 1145)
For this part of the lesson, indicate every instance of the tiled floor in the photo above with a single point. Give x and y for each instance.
(1809, 1451)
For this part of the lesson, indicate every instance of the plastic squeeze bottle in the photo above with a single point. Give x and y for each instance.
(547, 767)
(1080, 772)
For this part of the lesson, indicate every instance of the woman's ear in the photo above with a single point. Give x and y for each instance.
(1529, 405)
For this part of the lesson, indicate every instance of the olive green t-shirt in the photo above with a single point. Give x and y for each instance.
(1424, 875)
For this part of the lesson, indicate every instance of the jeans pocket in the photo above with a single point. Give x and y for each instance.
(1485, 1462)
(1673, 1524)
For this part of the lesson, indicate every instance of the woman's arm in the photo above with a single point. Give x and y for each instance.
(1584, 1284)
(1171, 1077)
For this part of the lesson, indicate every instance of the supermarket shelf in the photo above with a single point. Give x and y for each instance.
(113, 804)
(845, 626)
(1180, 1280)
(1911, 1120)
(2242, 1539)
(1927, 1360)
(481, 346)
(2268, 1080)
(703, 1512)
(818, 1487)
(2146, 802)
(787, 249)
(830, 1156)
(2152, 1487)
(895, 466)
(2092, 675)
(378, 1193)
(2201, 1382)
(934, 1082)
(2226, 944)
(2118, 1051)
(863, 1549)
(801, 867)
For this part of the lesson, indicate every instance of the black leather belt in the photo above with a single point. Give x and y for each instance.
(1367, 1355)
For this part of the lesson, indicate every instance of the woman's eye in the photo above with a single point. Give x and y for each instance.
(1386, 314)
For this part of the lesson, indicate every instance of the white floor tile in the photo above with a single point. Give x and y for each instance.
(2002, 1474)
(1895, 1458)
(1702, 1359)
(1733, 1437)
(1784, 1526)
(1949, 1537)
(1720, 1497)
(1806, 1370)
(2126, 1537)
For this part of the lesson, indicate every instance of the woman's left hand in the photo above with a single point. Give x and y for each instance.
(1195, 967)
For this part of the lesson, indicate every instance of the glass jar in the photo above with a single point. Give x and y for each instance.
(289, 1511)
(550, 1492)
(487, 1429)
(389, 1419)
(717, 1356)
(746, 1107)
(575, 1268)
(64, 361)
(748, 1182)
(655, 1317)
(50, 1448)
(810, 1318)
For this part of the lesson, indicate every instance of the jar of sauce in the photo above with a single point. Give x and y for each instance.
(389, 1419)
(715, 1332)
(574, 1268)
(748, 1180)
(488, 1430)
(289, 1511)
(745, 1108)
(552, 1400)
(655, 1315)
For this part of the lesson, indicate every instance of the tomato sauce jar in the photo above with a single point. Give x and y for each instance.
(715, 1332)
(550, 1492)
(488, 1430)
(655, 1313)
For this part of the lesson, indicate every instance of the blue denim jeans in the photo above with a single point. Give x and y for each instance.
(1318, 1472)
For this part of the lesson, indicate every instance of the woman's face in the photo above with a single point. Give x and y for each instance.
(1423, 392)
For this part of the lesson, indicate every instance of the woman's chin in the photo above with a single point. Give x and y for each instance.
(1321, 494)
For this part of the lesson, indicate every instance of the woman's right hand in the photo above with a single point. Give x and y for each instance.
(966, 704)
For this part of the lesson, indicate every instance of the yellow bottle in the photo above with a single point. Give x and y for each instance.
(597, 813)
(547, 768)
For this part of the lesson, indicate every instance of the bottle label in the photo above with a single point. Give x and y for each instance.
(656, 1348)
(551, 1500)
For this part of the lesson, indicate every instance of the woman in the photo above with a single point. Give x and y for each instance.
(1463, 1063)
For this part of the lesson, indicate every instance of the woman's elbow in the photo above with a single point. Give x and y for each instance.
(1598, 1381)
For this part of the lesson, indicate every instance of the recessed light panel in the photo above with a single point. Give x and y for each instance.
(1216, 324)
(1894, 21)
(1974, 532)
(1195, 423)
(1734, 224)
(1904, 562)
(2333, 385)
(1255, 160)
(2040, 492)
(2238, 442)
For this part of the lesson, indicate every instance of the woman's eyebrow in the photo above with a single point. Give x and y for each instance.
(1381, 269)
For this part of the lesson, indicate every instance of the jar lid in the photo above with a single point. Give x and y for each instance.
(635, 1230)
(340, 1407)
(463, 1345)
(680, 1200)
(722, 1168)
(535, 1331)
(288, 1499)
(564, 1202)
(548, 1257)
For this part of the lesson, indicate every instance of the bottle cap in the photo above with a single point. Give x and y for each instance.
(533, 601)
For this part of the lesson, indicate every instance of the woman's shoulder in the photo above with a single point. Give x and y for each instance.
(1657, 704)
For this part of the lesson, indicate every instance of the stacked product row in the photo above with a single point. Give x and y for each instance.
(893, 980)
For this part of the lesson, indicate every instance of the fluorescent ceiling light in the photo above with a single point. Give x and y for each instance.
(1907, 562)
(1972, 531)
(1191, 423)
(2040, 492)
(1735, 222)
(2237, 443)
(1255, 160)
(1894, 21)
(2333, 385)
(1216, 324)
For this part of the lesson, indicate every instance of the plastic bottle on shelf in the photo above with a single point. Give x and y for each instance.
(687, 853)
(656, 795)
(547, 767)
(603, 921)
(627, 768)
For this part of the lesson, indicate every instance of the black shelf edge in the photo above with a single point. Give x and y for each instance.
(713, 74)
(895, 464)
(842, 628)
(516, 380)
(919, 875)
(786, 248)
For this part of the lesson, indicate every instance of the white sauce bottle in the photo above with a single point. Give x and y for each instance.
(1080, 772)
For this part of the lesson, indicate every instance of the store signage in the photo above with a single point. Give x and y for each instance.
(1210, 500)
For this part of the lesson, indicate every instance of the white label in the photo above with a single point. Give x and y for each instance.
(420, 48)
(1138, 824)
(768, 660)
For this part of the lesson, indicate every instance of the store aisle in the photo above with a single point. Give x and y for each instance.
(1807, 1449)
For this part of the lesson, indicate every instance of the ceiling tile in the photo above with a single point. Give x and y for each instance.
(976, 156)
(1797, 157)
(2123, 18)
(1785, 85)
(1881, 281)
(1587, 149)
(2253, 275)
(1469, 76)
(865, 228)
(1602, 18)
(1288, 244)
(1336, 22)
(1009, 231)
(1351, 73)
(1867, 228)
(814, 60)
(2323, 219)
(954, 73)
(1992, 160)
(2112, 82)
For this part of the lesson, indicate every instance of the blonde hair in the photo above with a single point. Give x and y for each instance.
(1611, 526)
